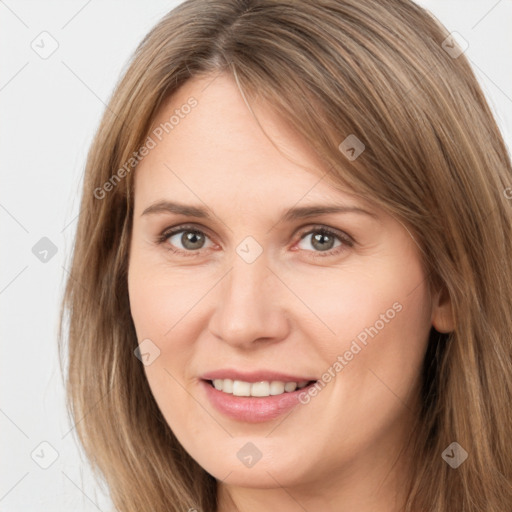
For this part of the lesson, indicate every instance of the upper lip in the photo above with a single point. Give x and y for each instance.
(254, 376)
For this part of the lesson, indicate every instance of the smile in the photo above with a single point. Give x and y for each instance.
(257, 389)
(256, 401)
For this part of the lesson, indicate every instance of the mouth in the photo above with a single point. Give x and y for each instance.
(256, 401)
(261, 389)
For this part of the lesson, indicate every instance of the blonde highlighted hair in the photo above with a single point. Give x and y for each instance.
(434, 158)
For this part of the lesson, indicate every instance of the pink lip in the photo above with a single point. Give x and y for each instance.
(253, 409)
(254, 376)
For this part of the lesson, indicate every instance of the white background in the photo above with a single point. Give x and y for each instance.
(49, 111)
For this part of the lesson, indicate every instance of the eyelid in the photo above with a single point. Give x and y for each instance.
(343, 235)
(174, 230)
(303, 231)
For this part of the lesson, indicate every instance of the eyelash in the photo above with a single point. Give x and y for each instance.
(346, 240)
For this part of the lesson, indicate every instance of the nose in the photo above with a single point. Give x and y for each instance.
(250, 306)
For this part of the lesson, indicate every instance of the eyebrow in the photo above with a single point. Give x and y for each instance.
(294, 213)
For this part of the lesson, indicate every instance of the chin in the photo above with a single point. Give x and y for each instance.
(270, 471)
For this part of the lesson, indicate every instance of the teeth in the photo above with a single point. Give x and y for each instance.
(241, 388)
(259, 388)
(290, 386)
(227, 386)
(262, 388)
(277, 388)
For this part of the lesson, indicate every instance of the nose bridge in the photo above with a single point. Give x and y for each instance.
(248, 305)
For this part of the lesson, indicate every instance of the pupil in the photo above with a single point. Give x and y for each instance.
(321, 239)
(191, 237)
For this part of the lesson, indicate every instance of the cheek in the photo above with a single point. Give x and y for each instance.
(382, 322)
(162, 299)
(162, 317)
(164, 305)
(386, 300)
(379, 321)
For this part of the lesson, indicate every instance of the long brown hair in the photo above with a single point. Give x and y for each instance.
(434, 158)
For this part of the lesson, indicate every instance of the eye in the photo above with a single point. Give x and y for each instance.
(323, 239)
(192, 240)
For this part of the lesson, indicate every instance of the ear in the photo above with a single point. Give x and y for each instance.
(442, 311)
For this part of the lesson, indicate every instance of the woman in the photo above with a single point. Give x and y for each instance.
(291, 281)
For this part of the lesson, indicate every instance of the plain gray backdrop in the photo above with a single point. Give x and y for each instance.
(59, 63)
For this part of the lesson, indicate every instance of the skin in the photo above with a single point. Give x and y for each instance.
(287, 311)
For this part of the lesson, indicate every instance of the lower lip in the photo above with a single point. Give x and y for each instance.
(252, 409)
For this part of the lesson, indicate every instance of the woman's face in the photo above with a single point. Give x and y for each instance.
(251, 292)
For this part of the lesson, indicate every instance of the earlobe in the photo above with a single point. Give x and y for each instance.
(442, 312)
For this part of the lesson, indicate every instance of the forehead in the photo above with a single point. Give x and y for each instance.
(218, 149)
